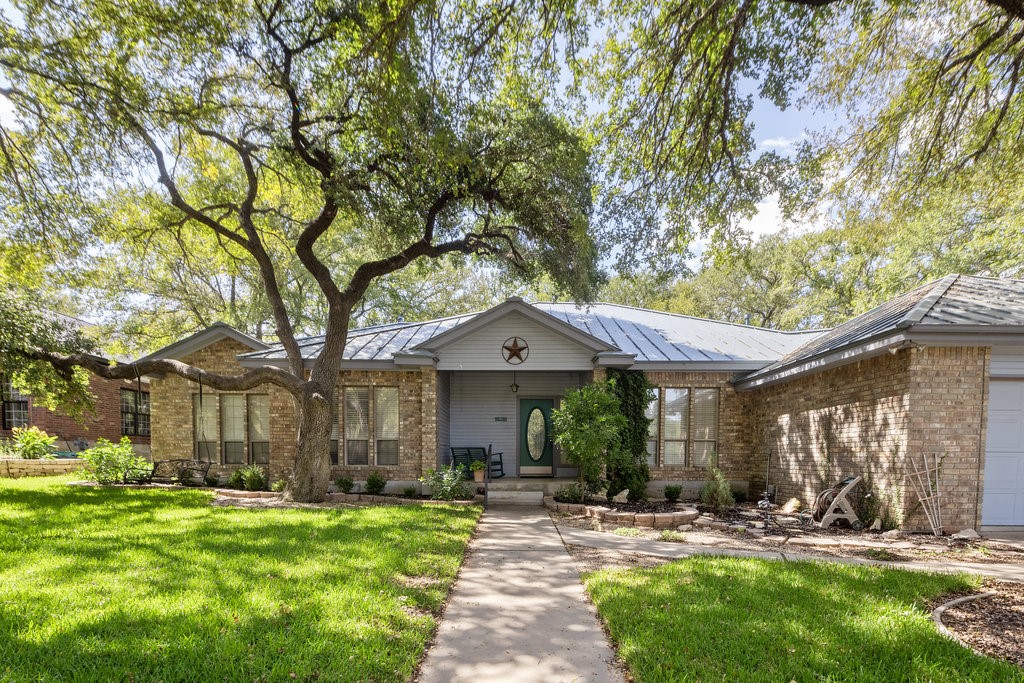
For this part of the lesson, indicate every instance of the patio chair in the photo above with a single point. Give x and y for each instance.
(497, 466)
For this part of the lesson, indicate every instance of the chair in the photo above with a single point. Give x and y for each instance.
(497, 466)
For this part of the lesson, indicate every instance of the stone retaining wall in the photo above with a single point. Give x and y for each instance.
(649, 520)
(14, 469)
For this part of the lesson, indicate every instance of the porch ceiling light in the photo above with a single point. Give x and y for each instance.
(514, 387)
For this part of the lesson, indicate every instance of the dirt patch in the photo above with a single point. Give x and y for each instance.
(593, 559)
(792, 538)
(993, 625)
(228, 501)
(417, 581)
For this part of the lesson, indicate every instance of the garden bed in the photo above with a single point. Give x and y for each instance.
(626, 514)
(994, 624)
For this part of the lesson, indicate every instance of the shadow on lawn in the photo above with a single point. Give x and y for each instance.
(159, 583)
(760, 620)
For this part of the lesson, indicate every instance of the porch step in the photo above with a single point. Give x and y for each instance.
(507, 497)
(545, 487)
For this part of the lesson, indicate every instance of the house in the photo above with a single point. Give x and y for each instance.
(120, 408)
(938, 371)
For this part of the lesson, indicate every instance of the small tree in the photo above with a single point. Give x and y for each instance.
(588, 428)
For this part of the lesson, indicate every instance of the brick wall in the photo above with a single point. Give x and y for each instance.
(14, 469)
(850, 420)
(948, 410)
(173, 429)
(876, 418)
(104, 421)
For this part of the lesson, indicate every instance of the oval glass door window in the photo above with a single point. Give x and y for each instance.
(536, 434)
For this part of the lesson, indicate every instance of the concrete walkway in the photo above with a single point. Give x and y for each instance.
(518, 611)
(606, 541)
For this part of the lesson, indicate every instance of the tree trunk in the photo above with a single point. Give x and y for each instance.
(312, 472)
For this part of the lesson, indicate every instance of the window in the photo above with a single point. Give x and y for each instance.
(232, 428)
(691, 427)
(205, 427)
(259, 429)
(385, 423)
(14, 411)
(134, 412)
(357, 426)
(704, 427)
(653, 413)
(677, 419)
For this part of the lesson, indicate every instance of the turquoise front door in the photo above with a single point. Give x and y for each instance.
(535, 449)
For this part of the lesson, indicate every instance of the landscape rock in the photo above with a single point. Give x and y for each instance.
(792, 505)
(876, 525)
(894, 533)
(967, 533)
(644, 519)
(684, 527)
(621, 497)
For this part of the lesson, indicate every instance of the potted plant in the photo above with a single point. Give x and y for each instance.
(477, 467)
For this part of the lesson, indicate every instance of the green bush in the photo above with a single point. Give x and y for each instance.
(254, 478)
(212, 480)
(32, 443)
(672, 536)
(625, 473)
(344, 484)
(672, 493)
(716, 493)
(375, 483)
(587, 429)
(110, 463)
(278, 486)
(446, 483)
(410, 492)
(573, 493)
(235, 480)
(628, 532)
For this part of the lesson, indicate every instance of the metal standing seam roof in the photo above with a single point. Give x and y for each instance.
(945, 304)
(651, 336)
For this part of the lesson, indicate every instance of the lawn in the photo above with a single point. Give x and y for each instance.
(157, 585)
(724, 619)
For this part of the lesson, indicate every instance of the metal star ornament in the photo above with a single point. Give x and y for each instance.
(515, 350)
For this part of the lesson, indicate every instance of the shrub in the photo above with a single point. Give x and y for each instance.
(672, 536)
(629, 469)
(235, 480)
(110, 463)
(628, 532)
(446, 483)
(278, 486)
(573, 493)
(254, 478)
(716, 493)
(587, 428)
(32, 443)
(375, 483)
(410, 492)
(212, 480)
(672, 493)
(739, 495)
(344, 484)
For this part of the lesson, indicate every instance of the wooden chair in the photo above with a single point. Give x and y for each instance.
(497, 466)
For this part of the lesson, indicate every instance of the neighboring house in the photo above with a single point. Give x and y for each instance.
(120, 409)
(928, 372)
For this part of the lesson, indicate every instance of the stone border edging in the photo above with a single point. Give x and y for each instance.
(646, 520)
(395, 500)
(941, 609)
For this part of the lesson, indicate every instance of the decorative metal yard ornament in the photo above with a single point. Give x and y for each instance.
(515, 350)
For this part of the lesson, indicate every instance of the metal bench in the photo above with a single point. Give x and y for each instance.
(186, 472)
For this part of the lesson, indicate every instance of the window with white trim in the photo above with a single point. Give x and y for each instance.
(385, 424)
(690, 426)
(357, 425)
(205, 427)
(232, 427)
(677, 421)
(258, 420)
(703, 427)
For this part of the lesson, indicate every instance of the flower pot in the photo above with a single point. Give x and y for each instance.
(478, 476)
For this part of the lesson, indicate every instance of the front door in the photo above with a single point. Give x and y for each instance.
(535, 449)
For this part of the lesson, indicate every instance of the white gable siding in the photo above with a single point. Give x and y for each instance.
(481, 350)
(479, 397)
(1007, 362)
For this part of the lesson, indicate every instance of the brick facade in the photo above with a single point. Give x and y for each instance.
(104, 421)
(875, 418)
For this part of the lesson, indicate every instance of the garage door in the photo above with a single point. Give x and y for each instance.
(1003, 501)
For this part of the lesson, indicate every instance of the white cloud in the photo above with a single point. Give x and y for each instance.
(777, 143)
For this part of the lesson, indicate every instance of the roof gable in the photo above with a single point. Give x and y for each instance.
(203, 338)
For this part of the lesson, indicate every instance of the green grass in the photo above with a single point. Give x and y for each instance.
(723, 619)
(156, 585)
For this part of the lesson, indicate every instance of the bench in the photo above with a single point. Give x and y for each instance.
(462, 457)
(186, 472)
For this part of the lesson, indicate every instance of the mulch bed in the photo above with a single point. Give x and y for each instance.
(993, 625)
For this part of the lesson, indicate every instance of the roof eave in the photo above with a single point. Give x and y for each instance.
(203, 338)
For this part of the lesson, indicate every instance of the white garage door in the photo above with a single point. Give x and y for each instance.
(1003, 502)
